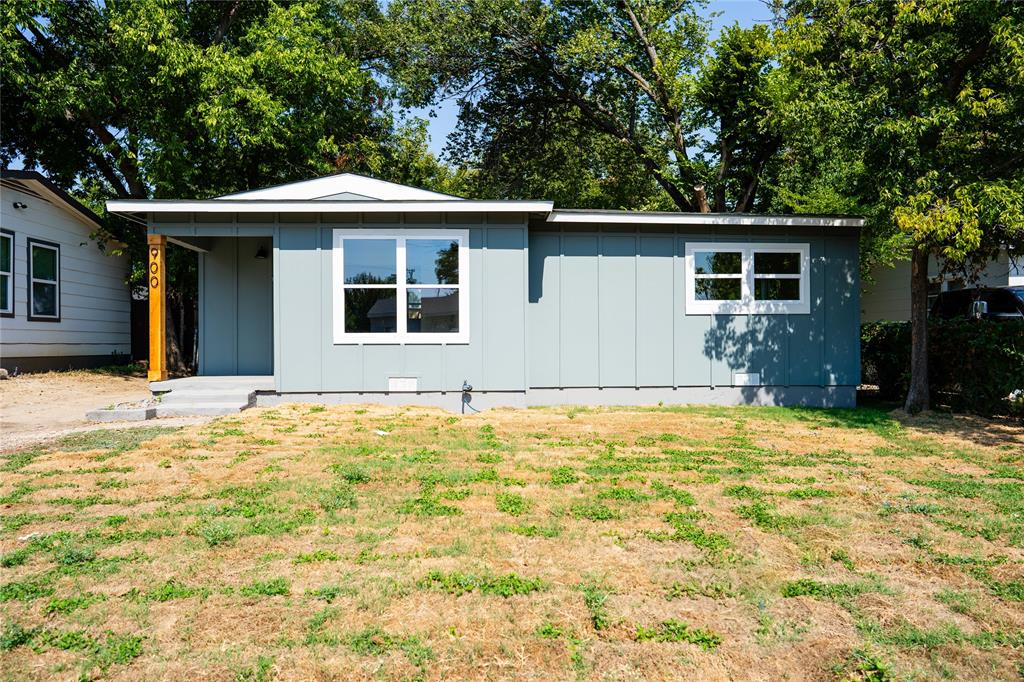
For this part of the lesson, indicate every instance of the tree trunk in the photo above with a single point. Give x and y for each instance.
(175, 360)
(701, 199)
(917, 396)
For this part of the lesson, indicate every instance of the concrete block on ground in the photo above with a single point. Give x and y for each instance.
(121, 414)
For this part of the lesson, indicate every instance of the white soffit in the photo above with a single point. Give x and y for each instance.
(346, 186)
(737, 219)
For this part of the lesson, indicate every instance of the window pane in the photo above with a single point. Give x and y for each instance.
(718, 289)
(717, 262)
(5, 301)
(433, 311)
(1000, 302)
(5, 253)
(777, 263)
(370, 261)
(44, 299)
(777, 289)
(432, 261)
(370, 311)
(44, 263)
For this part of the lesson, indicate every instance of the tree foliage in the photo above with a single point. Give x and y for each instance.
(927, 101)
(924, 101)
(613, 102)
(169, 99)
(909, 113)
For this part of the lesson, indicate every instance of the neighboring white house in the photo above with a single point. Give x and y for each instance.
(1016, 278)
(887, 295)
(63, 301)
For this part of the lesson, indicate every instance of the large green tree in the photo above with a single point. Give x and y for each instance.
(923, 105)
(172, 98)
(610, 102)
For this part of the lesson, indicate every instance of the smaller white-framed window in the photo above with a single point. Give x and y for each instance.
(734, 278)
(43, 281)
(403, 286)
(6, 273)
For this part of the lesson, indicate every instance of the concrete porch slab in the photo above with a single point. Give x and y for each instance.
(219, 384)
(208, 396)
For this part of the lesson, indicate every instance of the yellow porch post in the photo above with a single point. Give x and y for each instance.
(157, 308)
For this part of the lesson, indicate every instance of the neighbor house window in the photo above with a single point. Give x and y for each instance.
(7, 274)
(43, 281)
(401, 286)
(738, 279)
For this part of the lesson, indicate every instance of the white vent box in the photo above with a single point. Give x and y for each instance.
(746, 379)
(402, 384)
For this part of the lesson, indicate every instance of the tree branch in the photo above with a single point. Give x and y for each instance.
(670, 114)
(956, 79)
(102, 164)
(129, 169)
(606, 121)
(226, 20)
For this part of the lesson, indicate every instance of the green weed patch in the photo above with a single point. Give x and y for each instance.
(456, 583)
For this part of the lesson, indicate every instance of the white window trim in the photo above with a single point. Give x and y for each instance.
(747, 305)
(10, 275)
(32, 279)
(402, 336)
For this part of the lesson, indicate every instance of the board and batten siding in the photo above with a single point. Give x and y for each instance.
(552, 309)
(308, 360)
(236, 325)
(607, 309)
(95, 306)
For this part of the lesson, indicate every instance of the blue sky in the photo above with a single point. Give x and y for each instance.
(744, 12)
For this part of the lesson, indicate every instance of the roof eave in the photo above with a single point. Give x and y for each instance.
(129, 206)
(76, 207)
(726, 219)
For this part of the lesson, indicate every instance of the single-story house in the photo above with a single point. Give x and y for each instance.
(885, 293)
(351, 289)
(64, 302)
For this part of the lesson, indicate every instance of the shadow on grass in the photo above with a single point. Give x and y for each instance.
(883, 418)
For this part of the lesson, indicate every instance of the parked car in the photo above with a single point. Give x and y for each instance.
(991, 303)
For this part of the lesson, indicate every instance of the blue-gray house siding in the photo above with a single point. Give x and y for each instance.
(558, 313)
(607, 309)
(308, 360)
(235, 307)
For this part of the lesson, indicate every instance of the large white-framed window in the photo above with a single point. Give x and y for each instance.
(43, 281)
(6, 273)
(735, 278)
(401, 286)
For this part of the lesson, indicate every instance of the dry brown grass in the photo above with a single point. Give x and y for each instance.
(912, 531)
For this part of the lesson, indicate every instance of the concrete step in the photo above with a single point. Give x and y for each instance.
(204, 409)
(180, 397)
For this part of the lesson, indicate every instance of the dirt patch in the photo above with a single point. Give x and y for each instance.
(38, 407)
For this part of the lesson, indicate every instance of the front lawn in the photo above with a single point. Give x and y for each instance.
(704, 543)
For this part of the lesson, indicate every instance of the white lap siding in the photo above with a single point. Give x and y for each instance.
(94, 300)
